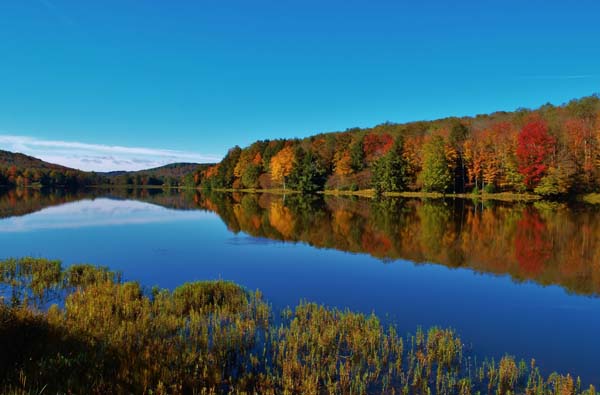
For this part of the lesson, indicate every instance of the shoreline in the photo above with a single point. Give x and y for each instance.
(370, 193)
(592, 198)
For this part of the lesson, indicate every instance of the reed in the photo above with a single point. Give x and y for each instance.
(215, 337)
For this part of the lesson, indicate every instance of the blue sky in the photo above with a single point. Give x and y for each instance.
(84, 82)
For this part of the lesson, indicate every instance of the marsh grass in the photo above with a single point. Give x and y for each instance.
(592, 198)
(215, 337)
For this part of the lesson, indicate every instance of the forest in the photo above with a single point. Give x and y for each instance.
(83, 330)
(552, 151)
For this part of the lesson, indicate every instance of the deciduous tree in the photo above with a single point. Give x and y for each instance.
(534, 148)
(282, 165)
(436, 176)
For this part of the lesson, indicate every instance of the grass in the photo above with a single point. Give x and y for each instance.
(370, 193)
(275, 191)
(215, 337)
(592, 198)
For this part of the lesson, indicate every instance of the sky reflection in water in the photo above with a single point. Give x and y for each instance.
(166, 247)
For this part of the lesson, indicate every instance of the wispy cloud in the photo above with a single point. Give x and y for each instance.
(97, 213)
(98, 157)
(560, 76)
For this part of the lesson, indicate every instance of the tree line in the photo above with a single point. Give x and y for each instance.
(14, 176)
(551, 151)
(22, 176)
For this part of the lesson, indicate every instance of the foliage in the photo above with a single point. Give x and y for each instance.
(389, 171)
(250, 175)
(436, 176)
(307, 174)
(357, 156)
(282, 164)
(533, 151)
(503, 151)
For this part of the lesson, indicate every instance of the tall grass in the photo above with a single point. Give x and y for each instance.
(112, 337)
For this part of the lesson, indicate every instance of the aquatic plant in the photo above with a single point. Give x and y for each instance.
(215, 337)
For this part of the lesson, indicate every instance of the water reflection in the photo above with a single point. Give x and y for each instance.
(542, 242)
(262, 242)
(551, 244)
(97, 212)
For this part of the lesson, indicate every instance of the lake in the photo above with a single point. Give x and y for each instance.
(520, 278)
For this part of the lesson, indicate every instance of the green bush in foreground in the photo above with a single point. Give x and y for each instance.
(214, 337)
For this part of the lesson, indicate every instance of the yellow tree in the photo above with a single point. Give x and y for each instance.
(343, 163)
(245, 159)
(412, 156)
(282, 164)
(490, 157)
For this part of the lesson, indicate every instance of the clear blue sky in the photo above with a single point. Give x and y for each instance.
(202, 76)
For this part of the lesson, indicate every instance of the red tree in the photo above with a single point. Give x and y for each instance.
(376, 145)
(533, 151)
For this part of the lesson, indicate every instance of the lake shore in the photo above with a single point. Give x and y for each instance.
(370, 193)
(589, 198)
(226, 334)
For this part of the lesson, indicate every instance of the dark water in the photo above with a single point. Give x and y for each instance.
(522, 279)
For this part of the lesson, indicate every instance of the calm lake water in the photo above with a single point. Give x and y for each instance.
(522, 279)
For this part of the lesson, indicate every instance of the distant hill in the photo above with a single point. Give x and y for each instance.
(175, 170)
(18, 169)
(22, 161)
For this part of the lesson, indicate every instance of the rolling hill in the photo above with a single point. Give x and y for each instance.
(22, 161)
(17, 169)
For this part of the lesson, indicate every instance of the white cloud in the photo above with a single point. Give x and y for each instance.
(97, 213)
(561, 76)
(98, 157)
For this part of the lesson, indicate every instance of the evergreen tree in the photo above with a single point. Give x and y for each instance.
(357, 156)
(389, 171)
(307, 175)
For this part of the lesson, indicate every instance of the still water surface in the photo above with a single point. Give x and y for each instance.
(521, 279)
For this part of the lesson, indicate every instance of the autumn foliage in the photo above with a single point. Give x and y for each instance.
(533, 151)
(553, 151)
(282, 164)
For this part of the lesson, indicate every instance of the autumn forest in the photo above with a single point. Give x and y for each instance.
(552, 151)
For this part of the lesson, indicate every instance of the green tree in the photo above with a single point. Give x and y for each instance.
(357, 156)
(307, 175)
(459, 133)
(250, 176)
(389, 171)
(224, 177)
(436, 175)
(557, 182)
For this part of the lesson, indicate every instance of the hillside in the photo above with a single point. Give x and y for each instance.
(18, 169)
(22, 161)
(171, 170)
(552, 151)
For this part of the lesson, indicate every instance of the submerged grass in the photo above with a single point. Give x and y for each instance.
(592, 198)
(215, 337)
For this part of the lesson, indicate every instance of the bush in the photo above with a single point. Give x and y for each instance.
(489, 188)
